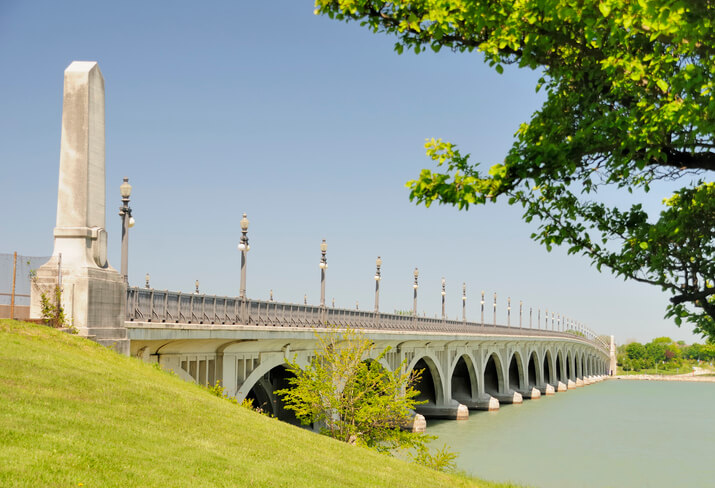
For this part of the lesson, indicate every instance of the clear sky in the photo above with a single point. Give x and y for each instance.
(311, 127)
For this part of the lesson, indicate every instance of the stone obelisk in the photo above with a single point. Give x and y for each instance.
(93, 293)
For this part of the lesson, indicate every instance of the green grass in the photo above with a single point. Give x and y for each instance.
(652, 371)
(73, 413)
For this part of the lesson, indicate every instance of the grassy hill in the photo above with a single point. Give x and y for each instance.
(73, 413)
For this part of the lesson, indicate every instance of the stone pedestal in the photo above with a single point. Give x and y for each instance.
(455, 411)
(531, 394)
(511, 397)
(560, 387)
(547, 390)
(579, 383)
(93, 293)
(571, 384)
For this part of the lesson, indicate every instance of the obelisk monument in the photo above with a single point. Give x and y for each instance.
(93, 293)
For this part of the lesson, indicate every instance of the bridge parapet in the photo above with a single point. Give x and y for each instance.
(163, 306)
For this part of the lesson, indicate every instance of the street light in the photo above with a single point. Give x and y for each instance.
(416, 273)
(464, 302)
(508, 311)
(443, 297)
(495, 308)
(378, 277)
(125, 212)
(146, 279)
(482, 308)
(197, 286)
(323, 267)
(243, 247)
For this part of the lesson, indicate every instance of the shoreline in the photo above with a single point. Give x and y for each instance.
(657, 377)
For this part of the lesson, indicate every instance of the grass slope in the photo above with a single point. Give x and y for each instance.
(73, 413)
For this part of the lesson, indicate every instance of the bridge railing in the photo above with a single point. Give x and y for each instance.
(163, 306)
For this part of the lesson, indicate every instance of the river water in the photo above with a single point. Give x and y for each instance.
(611, 434)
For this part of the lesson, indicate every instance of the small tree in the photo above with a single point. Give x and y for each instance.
(356, 400)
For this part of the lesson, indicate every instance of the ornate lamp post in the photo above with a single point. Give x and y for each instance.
(146, 279)
(378, 277)
(521, 307)
(197, 286)
(508, 311)
(125, 212)
(243, 247)
(323, 266)
(444, 293)
(416, 273)
(464, 302)
(495, 308)
(482, 308)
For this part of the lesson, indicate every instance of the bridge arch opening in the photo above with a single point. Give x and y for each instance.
(532, 374)
(515, 372)
(429, 381)
(548, 372)
(464, 380)
(560, 368)
(263, 395)
(492, 375)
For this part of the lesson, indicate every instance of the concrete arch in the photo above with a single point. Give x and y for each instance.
(560, 367)
(549, 368)
(534, 372)
(516, 376)
(464, 383)
(493, 375)
(432, 376)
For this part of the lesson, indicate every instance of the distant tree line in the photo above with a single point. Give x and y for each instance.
(663, 353)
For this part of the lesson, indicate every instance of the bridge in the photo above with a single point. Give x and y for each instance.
(245, 343)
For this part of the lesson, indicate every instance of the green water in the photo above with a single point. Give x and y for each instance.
(611, 434)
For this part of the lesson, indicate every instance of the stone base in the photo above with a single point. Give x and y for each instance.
(511, 397)
(547, 390)
(457, 411)
(486, 402)
(418, 424)
(561, 387)
(579, 383)
(94, 301)
(570, 384)
(531, 394)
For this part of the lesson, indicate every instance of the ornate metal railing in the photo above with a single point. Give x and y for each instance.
(150, 305)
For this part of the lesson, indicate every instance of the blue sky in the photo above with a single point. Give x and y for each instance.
(311, 127)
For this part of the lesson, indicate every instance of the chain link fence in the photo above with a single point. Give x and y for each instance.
(16, 273)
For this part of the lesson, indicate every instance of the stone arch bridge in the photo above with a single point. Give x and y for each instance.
(245, 344)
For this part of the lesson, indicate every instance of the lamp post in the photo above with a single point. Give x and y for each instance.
(508, 311)
(464, 303)
(323, 266)
(243, 247)
(444, 293)
(495, 308)
(125, 212)
(378, 277)
(482, 308)
(416, 273)
(197, 286)
(146, 281)
(521, 307)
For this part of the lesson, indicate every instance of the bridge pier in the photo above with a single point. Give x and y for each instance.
(530, 394)
(547, 389)
(560, 387)
(510, 398)
(453, 411)
(483, 402)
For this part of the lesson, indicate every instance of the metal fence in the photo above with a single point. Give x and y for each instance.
(150, 305)
(16, 272)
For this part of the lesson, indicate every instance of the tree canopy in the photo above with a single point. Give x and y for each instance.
(629, 101)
